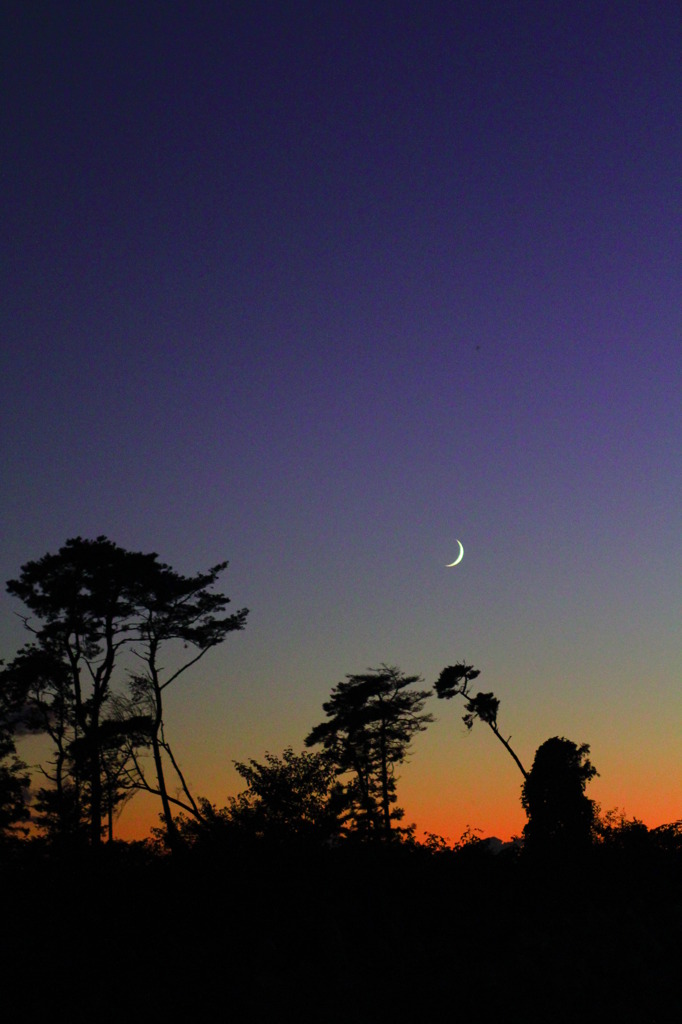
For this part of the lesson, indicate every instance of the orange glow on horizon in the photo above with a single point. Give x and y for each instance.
(142, 815)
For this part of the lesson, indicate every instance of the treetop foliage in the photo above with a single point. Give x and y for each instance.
(371, 720)
(91, 589)
(456, 680)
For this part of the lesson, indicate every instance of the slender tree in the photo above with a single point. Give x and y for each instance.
(174, 608)
(371, 721)
(455, 681)
(14, 778)
(83, 595)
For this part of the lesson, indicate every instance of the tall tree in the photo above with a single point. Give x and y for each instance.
(456, 680)
(174, 608)
(83, 595)
(94, 601)
(371, 721)
(561, 817)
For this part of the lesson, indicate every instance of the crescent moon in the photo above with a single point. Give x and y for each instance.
(459, 558)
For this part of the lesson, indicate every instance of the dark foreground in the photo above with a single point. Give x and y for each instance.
(342, 935)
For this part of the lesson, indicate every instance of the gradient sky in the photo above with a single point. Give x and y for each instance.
(320, 288)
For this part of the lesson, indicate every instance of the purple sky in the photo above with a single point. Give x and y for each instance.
(319, 288)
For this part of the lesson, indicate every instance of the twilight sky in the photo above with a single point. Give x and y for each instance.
(319, 288)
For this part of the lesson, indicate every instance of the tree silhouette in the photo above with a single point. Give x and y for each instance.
(42, 686)
(173, 608)
(561, 817)
(372, 719)
(293, 798)
(14, 779)
(456, 680)
(96, 601)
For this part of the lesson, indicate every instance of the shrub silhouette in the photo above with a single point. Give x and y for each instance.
(561, 817)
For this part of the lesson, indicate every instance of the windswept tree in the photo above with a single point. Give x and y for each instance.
(97, 604)
(371, 721)
(455, 681)
(561, 817)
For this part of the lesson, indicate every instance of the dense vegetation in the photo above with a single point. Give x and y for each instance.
(306, 893)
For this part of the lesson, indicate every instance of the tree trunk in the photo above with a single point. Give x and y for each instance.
(171, 829)
(385, 786)
(505, 744)
(110, 818)
(95, 798)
